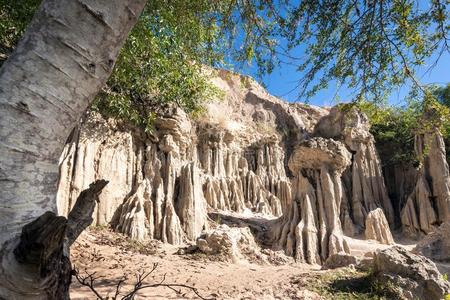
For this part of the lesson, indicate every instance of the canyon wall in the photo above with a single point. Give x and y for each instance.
(427, 206)
(312, 172)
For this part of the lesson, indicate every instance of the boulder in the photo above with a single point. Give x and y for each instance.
(232, 242)
(377, 227)
(365, 264)
(221, 240)
(340, 260)
(436, 245)
(416, 276)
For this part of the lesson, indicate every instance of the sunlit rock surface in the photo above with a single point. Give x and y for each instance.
(312, 172)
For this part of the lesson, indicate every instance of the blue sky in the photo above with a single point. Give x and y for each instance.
(285, 77)
(283, 80)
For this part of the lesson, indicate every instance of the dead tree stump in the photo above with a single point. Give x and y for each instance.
(36, 264)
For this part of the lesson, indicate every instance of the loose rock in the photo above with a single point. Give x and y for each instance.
(415, 275)
(377, 227)
(340, 260)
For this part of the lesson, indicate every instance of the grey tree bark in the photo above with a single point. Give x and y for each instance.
(63, 60)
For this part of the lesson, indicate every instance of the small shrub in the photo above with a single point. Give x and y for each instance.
(347, 284)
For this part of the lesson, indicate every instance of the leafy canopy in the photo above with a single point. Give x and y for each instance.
(163, 62)
(394, 128)
(370, 46)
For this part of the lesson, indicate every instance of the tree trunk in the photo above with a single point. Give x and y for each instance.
(63, 60)
(36, 264)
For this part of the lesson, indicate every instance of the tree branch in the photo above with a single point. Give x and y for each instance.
(80, 217)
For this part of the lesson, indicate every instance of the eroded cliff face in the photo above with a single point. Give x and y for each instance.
(363, 179)
(313, 173)
(428, 205)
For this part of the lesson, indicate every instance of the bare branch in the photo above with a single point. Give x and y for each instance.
(80, 217)
(408, 70)
(88, 280)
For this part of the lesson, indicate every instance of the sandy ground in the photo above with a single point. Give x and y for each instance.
(112, 256)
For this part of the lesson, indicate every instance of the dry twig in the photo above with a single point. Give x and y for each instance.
(88, 280)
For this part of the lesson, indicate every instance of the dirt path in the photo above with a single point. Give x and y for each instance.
(111, 256)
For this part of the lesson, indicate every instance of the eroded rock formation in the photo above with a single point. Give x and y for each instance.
(429, 203)
(363, 180)
(377, 227)
(313, 173)
(311, 229)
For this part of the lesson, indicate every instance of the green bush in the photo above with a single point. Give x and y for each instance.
(161, 62)
(394, 128)
(348, 284)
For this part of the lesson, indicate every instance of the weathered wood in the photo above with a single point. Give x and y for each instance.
(42, 246)
(80, 217)
(40, 266)
(41, 240)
